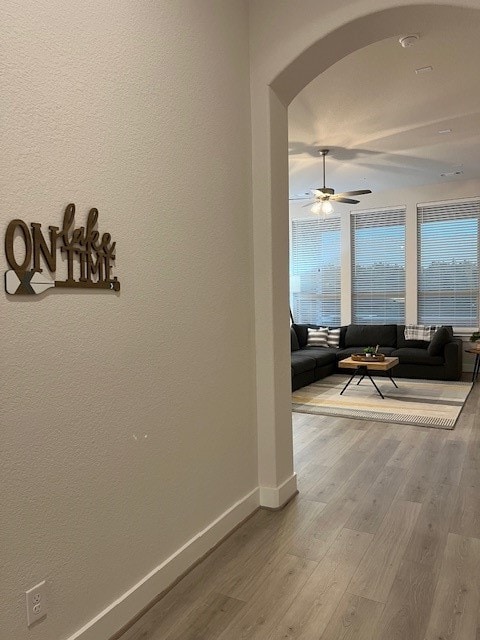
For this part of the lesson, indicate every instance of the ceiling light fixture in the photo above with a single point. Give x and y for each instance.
(447, 174)
(324, 195)
(445, 131)
(324, 207)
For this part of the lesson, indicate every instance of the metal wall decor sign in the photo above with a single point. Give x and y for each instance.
(87, 257)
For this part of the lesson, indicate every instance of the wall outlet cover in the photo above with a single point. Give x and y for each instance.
(36, 601)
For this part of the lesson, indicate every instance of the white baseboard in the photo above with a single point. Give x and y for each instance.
(124, 609)
(276, 497)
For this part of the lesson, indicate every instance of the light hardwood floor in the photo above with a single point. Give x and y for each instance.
(383, 543)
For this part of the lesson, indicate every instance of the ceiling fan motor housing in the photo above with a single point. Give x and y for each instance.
(327, 191)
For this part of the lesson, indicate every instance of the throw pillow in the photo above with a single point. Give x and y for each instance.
(294, 346)
(333, 338)
(440, 338)
(317, 337)
(419, 332)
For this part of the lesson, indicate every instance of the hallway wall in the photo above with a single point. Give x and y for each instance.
(127, 420)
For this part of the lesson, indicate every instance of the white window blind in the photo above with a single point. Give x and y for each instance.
(378, 266)
(448, 237)
(315, 271)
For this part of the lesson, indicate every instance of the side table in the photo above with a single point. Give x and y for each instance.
(476, 366)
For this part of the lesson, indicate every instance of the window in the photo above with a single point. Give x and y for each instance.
(448, 263)
(315, 271)
(378, 266)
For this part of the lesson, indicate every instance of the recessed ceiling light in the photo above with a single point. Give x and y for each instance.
(424, 70)
(445, 131)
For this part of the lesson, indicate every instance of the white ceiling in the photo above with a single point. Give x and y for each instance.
(381, 120)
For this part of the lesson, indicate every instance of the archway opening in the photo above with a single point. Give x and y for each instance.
(270, 156)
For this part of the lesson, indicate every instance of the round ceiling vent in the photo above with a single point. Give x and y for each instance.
(408, 41)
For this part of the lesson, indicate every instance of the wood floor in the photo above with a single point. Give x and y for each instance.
(383, 543)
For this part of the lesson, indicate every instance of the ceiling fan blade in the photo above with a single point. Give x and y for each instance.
(345, 200)
(309, 204)
(360, 192)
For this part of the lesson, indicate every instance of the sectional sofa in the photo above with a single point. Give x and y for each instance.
(313, 363)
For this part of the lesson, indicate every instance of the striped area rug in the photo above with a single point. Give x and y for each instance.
(425, 403)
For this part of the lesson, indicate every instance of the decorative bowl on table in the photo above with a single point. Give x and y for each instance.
(371, 357)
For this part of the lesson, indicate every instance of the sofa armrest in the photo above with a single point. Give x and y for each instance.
(454, 359)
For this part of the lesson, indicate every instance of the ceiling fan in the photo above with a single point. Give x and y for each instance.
(324, 196)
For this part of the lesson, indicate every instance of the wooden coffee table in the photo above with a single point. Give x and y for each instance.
(364, 368)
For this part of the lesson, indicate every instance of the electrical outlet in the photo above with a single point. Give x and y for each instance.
(36, 598)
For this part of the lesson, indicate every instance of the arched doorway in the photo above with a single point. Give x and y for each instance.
(280, 70)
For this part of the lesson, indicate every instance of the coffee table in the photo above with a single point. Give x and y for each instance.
(364, 368)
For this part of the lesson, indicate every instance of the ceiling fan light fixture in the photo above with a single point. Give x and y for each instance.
(322, 206)
(327, 207)
(323, 196)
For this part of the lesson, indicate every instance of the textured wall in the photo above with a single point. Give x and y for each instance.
(127, 422)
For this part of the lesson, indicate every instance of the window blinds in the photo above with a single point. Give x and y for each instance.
(448, 237)
(315, 270)
(378, 266)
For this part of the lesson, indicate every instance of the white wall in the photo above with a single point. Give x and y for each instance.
(128, 422)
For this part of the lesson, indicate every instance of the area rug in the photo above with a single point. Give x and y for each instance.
(425, 403)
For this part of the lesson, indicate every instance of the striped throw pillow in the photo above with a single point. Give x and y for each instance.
(333, 339)
(317, 337)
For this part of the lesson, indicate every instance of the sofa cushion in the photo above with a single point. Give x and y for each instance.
(409, 355)
(322, 355)
(440, 338)
(294, 346)
(359, 335)
(345, 353)
(302, 333)
(343, 333)
(302, 362)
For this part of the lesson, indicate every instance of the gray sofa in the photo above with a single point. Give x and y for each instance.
(313, 363)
